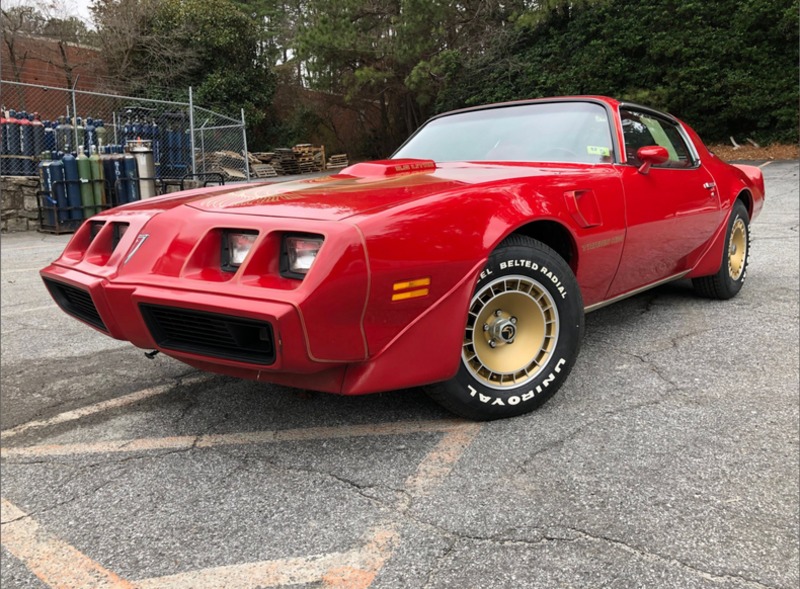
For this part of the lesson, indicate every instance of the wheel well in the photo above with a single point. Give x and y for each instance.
(747, 201)
(555, 236)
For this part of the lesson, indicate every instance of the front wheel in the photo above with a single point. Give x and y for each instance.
(522, 336)
(728, 281)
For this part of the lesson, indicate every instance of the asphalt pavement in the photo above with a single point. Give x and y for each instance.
(669, 459)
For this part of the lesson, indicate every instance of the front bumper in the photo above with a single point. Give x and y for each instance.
(270, 334)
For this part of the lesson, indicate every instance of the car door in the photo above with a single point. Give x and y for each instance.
(672, 209)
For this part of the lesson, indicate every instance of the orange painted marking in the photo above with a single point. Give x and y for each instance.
(440, 460)
(436, 465)
(53, 561)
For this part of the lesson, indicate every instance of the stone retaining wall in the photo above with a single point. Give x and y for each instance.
(19, 210)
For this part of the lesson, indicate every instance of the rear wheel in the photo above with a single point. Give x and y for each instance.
(728, 281)
(522, 335)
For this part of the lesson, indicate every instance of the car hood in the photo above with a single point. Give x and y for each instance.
(363, 188)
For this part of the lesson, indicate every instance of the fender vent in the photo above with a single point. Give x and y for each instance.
(76, 302)
(210, 334)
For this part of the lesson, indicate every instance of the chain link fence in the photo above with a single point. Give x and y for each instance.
(214, 136)
(187, 141)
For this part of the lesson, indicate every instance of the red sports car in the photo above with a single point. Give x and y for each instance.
(468, 259)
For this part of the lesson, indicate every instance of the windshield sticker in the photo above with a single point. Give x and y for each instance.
(598, 150)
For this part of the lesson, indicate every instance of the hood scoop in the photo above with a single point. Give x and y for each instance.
(383, 168)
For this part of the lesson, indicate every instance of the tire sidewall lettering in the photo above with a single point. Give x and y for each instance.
(544, 272)
(560, 287)
(516, 399)
(530, 267)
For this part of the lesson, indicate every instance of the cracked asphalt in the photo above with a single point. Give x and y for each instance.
(669, 459)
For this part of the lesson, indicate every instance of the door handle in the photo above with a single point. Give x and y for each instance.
(709, 186)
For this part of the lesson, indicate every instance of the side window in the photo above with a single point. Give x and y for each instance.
(640, 130)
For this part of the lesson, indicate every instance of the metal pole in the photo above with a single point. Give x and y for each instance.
(114, 119)
(203, 144)
(75, 114)
(191, 130)
(246, 158)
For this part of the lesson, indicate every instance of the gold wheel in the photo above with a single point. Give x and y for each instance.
(737, 249)
(511, 332)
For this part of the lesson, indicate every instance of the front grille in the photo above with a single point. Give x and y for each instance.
(210, 334)
(76, 302)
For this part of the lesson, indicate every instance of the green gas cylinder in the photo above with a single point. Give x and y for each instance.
(85, 175)
(98, 185)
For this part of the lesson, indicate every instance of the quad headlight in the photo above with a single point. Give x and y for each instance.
(235, 247)
(299, 252)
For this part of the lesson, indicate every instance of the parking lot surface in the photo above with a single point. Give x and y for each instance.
(668, 459)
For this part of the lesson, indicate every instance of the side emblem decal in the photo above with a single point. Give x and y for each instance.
(140, 239)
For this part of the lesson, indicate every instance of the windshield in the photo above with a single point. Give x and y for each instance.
(546, 132)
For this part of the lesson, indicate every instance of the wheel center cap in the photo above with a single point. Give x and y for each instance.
(504, 331)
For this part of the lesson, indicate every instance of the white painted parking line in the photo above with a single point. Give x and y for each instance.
(764, 165)
(25, 311)
(212, 440)
(10, 270)
(53, 561)
(355, 569)
(98, 407)
(349, 569)
(9, 249)
(60, 565)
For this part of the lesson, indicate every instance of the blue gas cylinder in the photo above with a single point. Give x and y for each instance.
(27, 166)
(116, 194)
(38, 134)
(2, 142)
(131, 177)
(12, 139)
(156, 148)
(59, 189)
(50, 135)
(73, 180)
(48, 201)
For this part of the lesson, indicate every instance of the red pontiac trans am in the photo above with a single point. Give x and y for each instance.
(468, 259)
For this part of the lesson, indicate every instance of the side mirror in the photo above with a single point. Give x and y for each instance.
(652, 154)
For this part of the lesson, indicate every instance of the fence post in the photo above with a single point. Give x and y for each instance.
(244, 141)
(203, 143)
(191, 129)
(75, 114)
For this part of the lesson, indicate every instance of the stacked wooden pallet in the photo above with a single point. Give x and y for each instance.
(263, 157)
(228, 163)
(263, 171)
(337, 161)
(285, 162)
(309, 157)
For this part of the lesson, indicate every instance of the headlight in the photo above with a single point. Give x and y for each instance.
(119, 231)
(300, 252)
(235, 247)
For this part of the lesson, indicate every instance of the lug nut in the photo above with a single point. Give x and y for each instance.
(492, 343)
(498, 313)
(513, 320)
(485, 327)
